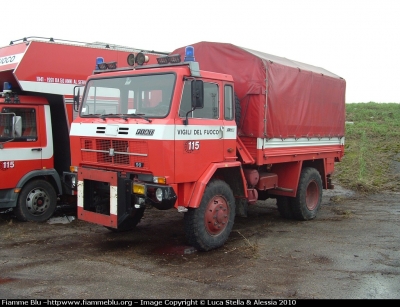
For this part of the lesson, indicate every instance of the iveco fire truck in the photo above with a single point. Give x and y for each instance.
(38, 76)
(209, 130)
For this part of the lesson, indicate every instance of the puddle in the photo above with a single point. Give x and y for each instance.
(61, 220)
(339, 191)
(6, 280)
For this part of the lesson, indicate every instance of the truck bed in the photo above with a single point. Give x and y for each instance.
(279, 98)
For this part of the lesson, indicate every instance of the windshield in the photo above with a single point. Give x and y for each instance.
(129, 96)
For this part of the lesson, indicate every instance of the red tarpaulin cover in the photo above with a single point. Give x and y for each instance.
(280, 98)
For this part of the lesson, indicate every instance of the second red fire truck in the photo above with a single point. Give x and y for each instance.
(37, 77)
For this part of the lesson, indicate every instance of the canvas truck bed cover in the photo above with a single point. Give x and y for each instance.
(280, 98)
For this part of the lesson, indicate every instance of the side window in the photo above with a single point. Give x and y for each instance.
(211, 102)
(6, 124)
(228, 102)
(29, 123)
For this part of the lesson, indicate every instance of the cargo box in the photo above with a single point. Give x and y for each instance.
(279, 98)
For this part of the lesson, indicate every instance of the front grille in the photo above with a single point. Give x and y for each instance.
(103, 151)
(115, 152)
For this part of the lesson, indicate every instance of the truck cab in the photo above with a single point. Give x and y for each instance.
(154, 130)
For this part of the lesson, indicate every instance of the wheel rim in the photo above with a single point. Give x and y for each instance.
(312, 195)
(37, 201)
(217, 215)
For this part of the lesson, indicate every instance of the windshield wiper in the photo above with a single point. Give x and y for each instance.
(140, 115)
(125, 116)
(94, 115)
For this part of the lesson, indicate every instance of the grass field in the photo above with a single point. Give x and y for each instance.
(372, 148)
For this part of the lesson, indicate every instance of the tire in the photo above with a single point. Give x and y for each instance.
(209, 226)
(130, 222)
(37, 201)
(284, 204)
(309, 195)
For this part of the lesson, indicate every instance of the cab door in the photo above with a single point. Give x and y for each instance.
(229, 127)
(200, 142)
(24, 153)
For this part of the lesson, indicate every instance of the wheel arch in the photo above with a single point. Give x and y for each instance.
(49, 175)
(228, 172)
(319, 165)
(289, 175)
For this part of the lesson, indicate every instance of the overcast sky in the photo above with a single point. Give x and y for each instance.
(358, 40)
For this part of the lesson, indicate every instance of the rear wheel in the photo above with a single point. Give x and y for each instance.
(208, 226)
(37, 201)
(309, 195)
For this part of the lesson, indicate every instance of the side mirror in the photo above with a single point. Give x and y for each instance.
(197, 94)
(17, 129)
(77, 95)
(197, 89)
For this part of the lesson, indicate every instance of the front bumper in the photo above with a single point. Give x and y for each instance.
(168, 196)
(107, 197)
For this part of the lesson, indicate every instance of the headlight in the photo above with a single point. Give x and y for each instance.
(73, 181)
(159, 194)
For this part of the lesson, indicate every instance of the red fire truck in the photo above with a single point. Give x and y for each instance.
(38, 76)
(209, 130)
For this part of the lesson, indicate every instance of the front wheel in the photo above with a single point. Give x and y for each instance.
(37, 201)
(209, 226)
(309, 195)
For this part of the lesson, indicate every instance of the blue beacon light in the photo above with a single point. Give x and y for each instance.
(99, 60)
(189, 54)
(7, 87)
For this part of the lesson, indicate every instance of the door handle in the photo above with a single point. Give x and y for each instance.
(36, 149)
(221, 128)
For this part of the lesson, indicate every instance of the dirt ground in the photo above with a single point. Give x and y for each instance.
(350, 251)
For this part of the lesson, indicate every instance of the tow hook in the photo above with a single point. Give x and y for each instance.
(182, 209)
